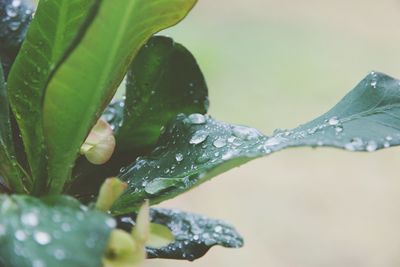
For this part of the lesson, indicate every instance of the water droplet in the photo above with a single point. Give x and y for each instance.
(219, 142)
(11, 11)
(16, 3)
(374, 83)
(218, 229)
(197, 118)
(20, 235)
(371, 146)
(386, 144)
(273, 141)
(42, 238)
(333, 121)
(339, 129)
(355, 143)
(389, 138)
(245, 133)
(196, 237)
(30, 219)
(198, 137)
(59, 254)
(179, 157)
(14, 25)
(38, 263)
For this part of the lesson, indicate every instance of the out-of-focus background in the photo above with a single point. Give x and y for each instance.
(275, 64)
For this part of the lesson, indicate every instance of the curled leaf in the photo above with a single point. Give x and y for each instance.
(141, 231)
(100, 144)
(110, 191)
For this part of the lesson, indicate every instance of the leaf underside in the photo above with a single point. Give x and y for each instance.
(193, 150)
(194, 234)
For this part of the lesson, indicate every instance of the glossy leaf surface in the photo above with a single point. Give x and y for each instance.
(9, 168)
(163, 81)
(196, 148)
(56, 24)
(84, 84)
(55, 231)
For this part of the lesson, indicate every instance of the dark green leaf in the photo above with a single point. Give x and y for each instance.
(14, 20)
(9, 168)
(194, 234)
(195, 148)
(86, 81)
(55, 26)
(163, 81)
(54, 231)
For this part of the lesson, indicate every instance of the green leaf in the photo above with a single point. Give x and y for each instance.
(194, 234)
(196, 148)
(163, 81)
(86, 81)
(55, 26)
(55, 231)
(9, 168)
(14, 20)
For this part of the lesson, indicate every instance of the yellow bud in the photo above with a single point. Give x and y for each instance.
(110, 191)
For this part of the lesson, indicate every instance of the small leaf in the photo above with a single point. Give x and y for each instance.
(100, 144)
(110, 191)
(54, 231)
(141, 231)
(163, 81)
(15, 17)
(194, 234)
(189, 153)
(86, 81)
(160, 236)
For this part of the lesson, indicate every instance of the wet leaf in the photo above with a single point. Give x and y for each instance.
(52, 31)
(86, 81)
(54, 231)
(191, 150)
(163, 81)
(9, 167)
(194, 234)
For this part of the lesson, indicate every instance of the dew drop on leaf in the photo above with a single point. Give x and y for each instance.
(333, 121)
(198, 137)
(197, 118)
(20, 235)
(42, 238)
(219, 142)
(371, 146)
(179, 157)
(30, 219)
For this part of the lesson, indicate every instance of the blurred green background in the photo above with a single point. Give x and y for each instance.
(275, 64)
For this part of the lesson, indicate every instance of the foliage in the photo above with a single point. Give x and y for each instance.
(61, 135)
